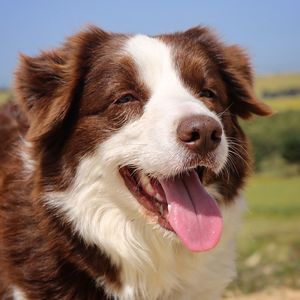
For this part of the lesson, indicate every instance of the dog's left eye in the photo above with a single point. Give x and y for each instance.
(126, 98)
(206, 93)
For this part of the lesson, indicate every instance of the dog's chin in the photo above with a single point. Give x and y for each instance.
(148, 191)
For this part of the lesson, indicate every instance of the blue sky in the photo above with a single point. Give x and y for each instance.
(268, 29)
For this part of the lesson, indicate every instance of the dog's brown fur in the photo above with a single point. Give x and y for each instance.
(57, 93)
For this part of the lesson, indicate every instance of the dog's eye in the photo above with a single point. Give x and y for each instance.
(125, 99)
(207, 94)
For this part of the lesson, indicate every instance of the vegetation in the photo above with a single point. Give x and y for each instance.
(279, 85)
(277, 82)
(290, 149)
(269, 244)
(4, 95)
(274, 138)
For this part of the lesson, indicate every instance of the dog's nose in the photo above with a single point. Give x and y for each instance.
(199, 133)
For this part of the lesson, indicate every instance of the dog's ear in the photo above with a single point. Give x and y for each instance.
(49, 85)
(238, 75)
(41, 87)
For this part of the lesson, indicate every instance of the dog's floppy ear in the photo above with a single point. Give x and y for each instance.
(48, 85)
(41, 87)
(238, 75)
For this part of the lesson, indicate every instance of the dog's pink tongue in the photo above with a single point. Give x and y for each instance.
(193, 214)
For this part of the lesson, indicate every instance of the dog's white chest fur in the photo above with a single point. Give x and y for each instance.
(169, 271)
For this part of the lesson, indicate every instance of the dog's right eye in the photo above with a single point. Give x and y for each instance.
(126, 98)
(206, 93)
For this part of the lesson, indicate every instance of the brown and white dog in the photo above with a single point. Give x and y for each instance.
(122, 166)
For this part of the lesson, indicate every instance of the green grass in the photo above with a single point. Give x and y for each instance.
(279, 82)
(284, 104)
(4, 95)
(275, 196)
(269, 243)
(276, 82)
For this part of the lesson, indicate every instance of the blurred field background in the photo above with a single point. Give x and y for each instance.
(269, 243)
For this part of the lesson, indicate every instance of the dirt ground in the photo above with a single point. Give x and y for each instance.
(274, 294)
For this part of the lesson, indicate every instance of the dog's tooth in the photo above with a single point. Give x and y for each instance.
(149, 189)
(159, 197)
(144, 179)
(169, 207)
(145, 182)
(161, 209)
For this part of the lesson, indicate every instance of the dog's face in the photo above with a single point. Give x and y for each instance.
(143, 127)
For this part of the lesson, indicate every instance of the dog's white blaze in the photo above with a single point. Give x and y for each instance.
(169, 103)
(104, 212)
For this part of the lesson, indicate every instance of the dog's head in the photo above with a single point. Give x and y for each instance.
(140, 129)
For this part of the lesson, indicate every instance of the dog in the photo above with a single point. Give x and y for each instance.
(122, 167)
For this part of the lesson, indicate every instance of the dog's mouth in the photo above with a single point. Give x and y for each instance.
(180, 204)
